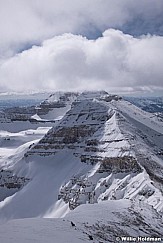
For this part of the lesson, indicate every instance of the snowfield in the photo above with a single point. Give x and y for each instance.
(103, 222)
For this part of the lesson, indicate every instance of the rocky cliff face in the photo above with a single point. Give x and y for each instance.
(93, 132)
(9, 183)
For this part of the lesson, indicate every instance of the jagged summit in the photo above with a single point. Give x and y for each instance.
(92, 94)
(61, 98)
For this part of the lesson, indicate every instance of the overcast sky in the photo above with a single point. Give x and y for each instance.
(115, 45)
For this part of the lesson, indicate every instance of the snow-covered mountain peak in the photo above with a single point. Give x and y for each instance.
(101, 148)
(91, 94)
(95, 133)
(99, 95)
(61, 97)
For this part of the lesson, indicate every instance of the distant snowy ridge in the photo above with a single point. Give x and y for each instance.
(47, 110)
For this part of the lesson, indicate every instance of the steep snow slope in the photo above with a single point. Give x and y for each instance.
(12, 149)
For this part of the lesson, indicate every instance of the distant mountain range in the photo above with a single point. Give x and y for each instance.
(150, 104)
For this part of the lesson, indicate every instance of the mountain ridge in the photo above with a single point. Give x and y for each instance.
(102, 149)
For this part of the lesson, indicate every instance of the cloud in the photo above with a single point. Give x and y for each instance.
(27, 22)
(115, 62)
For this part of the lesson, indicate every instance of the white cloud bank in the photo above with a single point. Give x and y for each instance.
(115, 62)
(27, 22)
